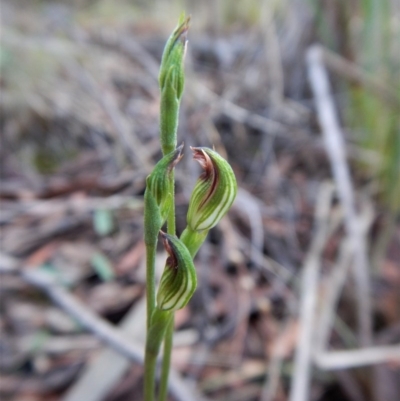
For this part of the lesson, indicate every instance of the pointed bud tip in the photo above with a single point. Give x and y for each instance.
(181, 30)
(184, 26)
(167, 242)
(159, 184)
(164, 237)
(178, 154)
(201, 156)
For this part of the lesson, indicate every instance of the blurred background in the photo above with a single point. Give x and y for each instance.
(298, 295)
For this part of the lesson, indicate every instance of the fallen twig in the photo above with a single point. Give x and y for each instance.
(336, 282)
(360, 357)
(309, 287)
(103, 330)
(335, 148)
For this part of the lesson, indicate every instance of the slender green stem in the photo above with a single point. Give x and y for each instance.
(171, 80)
(150, 357)
(159, 322)
(150, 363)
(166, 362)
(150, 281)
(193, 239)
(171, 229)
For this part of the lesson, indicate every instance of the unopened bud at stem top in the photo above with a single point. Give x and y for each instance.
(171, 80)
(173, 56)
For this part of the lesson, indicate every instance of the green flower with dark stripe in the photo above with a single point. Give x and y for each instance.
(158, 196)
(158, 183)
(178, 281)
(214, 191)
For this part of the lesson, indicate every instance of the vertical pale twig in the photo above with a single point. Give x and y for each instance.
(336, 282)
(308, 290)
(335, 147)
(114, 337)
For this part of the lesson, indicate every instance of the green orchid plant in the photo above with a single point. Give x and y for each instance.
(211, 198)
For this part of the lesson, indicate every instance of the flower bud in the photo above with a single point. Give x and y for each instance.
(178, 281)
(171, 80)
(214, 191)
(171, 70)
(158, 183)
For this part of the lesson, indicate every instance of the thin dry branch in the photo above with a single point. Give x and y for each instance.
(95, 324)
(336, 282)
(309, 286)
(359, 357)
(107, 364)
(335, 147)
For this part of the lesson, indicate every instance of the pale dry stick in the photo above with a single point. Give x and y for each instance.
(335, 147)
(336, 282)
(331, 360)
(356, 358)
(108, 366)
(73, 307)
(299, 390)
(352, 72)
(274, 370)
(103, 330)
